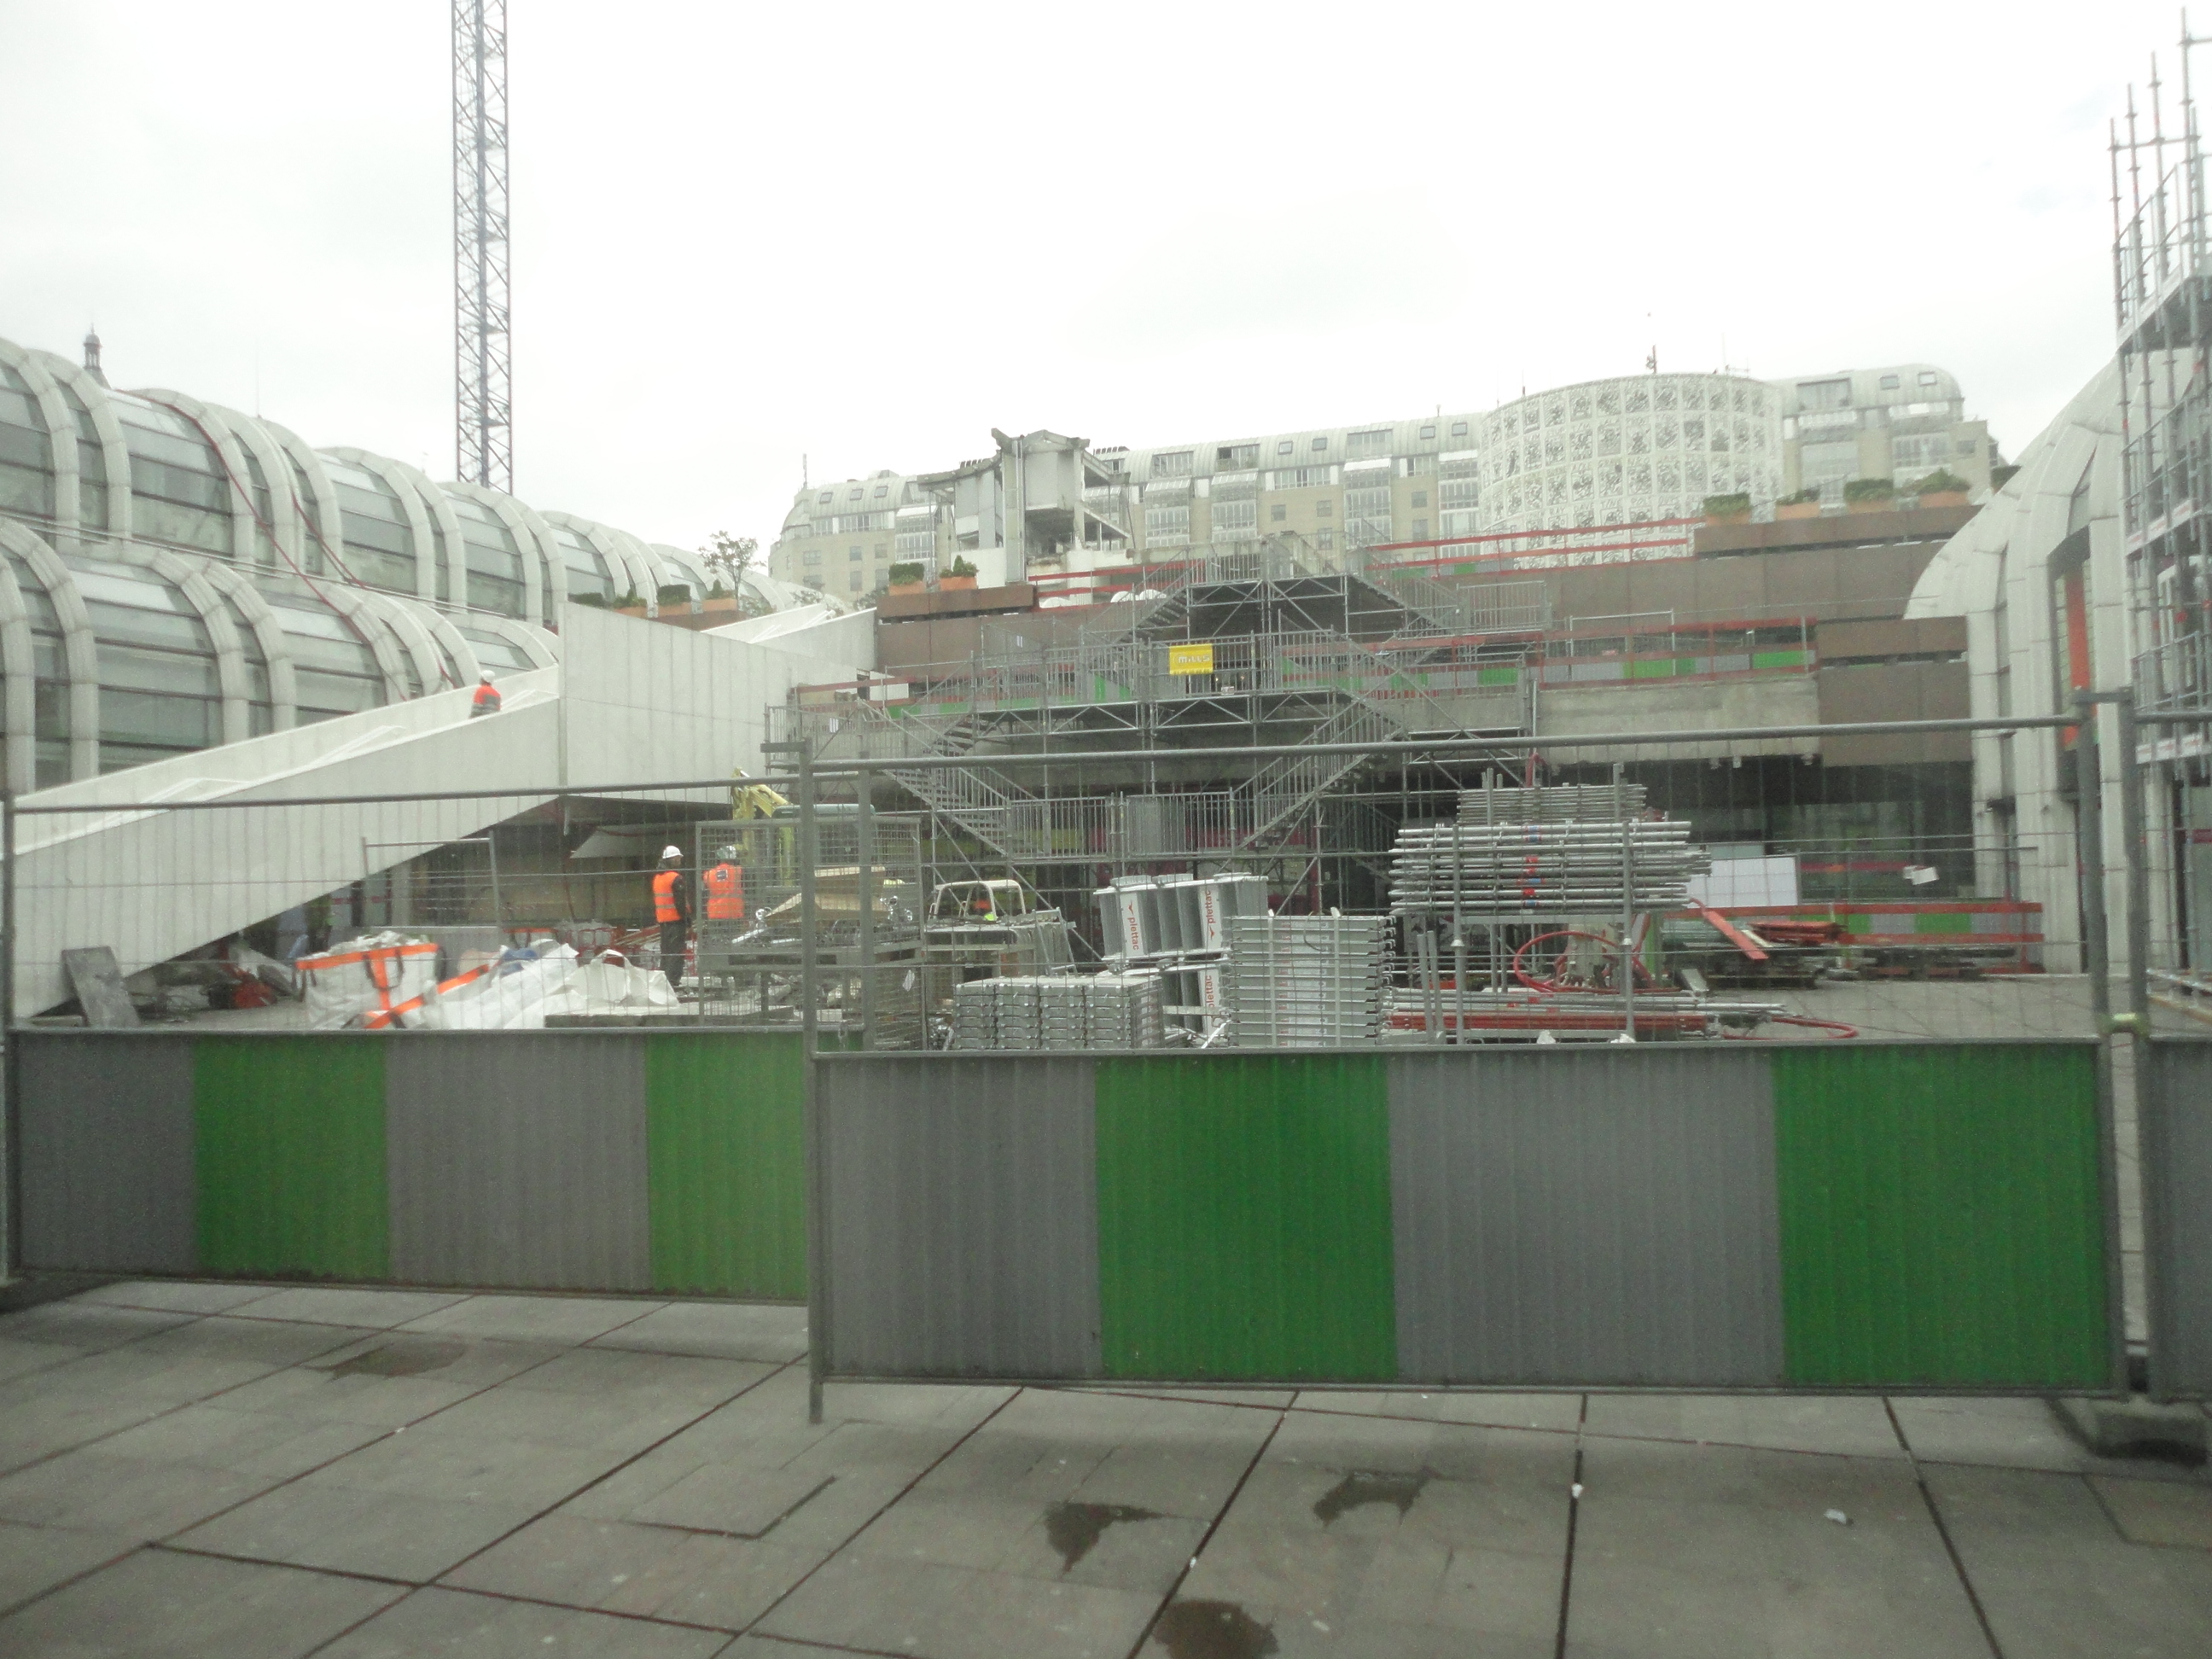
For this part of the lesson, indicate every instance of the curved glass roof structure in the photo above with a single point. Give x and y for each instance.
(175, 575)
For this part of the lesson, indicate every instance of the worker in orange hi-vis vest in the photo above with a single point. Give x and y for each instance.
(672, 909)
(726, 887)
(486, 701)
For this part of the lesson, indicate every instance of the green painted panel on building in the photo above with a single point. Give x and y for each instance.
(726, 1160)
(1777, 659)
(1244, 1217)
(1659, 668)
(288, 1137)
(1943, 922)
(1497, 677)
(1942, 1221)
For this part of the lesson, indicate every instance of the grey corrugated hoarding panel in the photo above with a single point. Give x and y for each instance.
(107, 1179)
(1602, 1215)
(518, 1158)
(2173, 1093)
(963, 1204)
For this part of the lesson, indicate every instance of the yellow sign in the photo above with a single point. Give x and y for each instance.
(1190, 659)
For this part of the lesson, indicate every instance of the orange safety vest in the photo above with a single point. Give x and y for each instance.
(726, 893)
(663, 895)
(486, 701)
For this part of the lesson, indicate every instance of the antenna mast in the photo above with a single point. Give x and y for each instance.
(484, 437)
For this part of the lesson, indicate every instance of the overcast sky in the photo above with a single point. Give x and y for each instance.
(866, 235)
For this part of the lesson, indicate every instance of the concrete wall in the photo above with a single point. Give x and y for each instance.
(1702, 705)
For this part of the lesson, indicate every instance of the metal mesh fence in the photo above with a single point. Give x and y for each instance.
(1889, 895)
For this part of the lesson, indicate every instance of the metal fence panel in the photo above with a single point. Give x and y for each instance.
(2173, 1083)
(105, 1126)
(517, 1159)
(1943, 1223)
(725, 1132)
(288, 1144)
(962, 1231)
(1600, 1216)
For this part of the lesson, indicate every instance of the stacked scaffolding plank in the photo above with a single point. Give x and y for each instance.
(1307, 981)
(1100, 1012)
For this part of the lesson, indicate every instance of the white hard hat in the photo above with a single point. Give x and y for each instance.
(668, 852)
(485, 676)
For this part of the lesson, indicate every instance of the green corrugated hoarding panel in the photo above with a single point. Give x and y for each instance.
(1943, 922)
(1942, 1216)
(1244, 1217)
(289, 1138)
(726, 1160)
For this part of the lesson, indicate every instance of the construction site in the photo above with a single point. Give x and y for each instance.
(1576, 1029)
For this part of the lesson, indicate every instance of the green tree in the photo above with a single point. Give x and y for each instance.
(730, 557)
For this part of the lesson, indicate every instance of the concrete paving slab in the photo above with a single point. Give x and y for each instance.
(1851, 1425)
(2157, 1511)
(36, 1425)
(953, 1612)
(389, 1534)
(131, 1497)
(1119, 1545)
(434, 1621)
(2020, 1434)
(556, 1319)
(2058, 1580)
(20, 1358)
(1558, 1411)
(716, 1330)
(465, 1464)
(192, 1361)
(337, 1304)
(184, 1607)
(617, 1423)
(33, 1559)
(85, 1327)
(389, 1378)
(1725, 1550)
(191, 1296)
(1389, 1536)
(215, 1436)
(658, 1572)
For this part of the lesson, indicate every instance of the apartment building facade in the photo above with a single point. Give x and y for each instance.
(1902, 423)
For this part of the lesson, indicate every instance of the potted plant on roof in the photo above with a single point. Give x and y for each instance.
(907, 577)
(1870, 495)
(1943, 488)
(631, 604)
(960, 574)
(719, 598)
(1805, 504)
(1728, 509)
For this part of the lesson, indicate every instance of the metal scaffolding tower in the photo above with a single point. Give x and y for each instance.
(483, 435)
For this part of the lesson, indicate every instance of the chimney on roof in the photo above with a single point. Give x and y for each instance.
(92, 357)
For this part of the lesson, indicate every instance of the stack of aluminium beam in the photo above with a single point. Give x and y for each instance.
(1306, 982)
(1558, 803)
(1124, 1011)
(1562, 868)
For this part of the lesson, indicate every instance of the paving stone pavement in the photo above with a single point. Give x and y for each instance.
(231, 1471)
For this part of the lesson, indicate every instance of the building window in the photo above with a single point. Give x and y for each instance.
(1420, 530)
(1966, 446)
(853, 495)
(812, 556)
(1458, 429)
(1889, 383)
(1233, 456)
(1420, 498)
(1327, 539)
(1374, 442)
(1175, 465)
(882, 551)
(1284, 447)
(1324, 510)
(1824, 394)
(1320, 444)
(1927, 377)
(1428, 432)
(853, 581)
(826, 497)
(1279, 512)
(882, 489)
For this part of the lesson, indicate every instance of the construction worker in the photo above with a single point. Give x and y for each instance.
(726, 887)
(672, 909)
(486, 701)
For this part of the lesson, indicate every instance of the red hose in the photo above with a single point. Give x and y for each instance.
(1555, 985)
